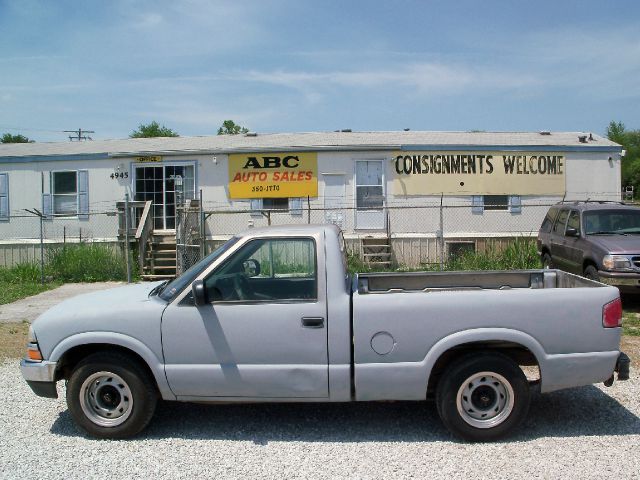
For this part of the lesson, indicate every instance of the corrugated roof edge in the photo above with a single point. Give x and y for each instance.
(323, 141)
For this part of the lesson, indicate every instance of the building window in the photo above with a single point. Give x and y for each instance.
(275, 204)
(496, 202)
(460, 249)
(505, 203)
(64, 188)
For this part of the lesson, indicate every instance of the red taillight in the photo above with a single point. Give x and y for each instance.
(612, 314)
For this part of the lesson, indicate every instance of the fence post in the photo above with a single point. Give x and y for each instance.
(308, 209)
(441, 232)
(41, 248)
(203, 232)
(126, 236)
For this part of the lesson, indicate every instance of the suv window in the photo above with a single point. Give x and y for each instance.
(560, 222)
(574, 221)
(547, 223)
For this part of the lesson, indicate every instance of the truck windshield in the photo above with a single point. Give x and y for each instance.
(176, 285)
(603, 222)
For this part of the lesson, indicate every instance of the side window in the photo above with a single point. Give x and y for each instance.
(267, 270)
(64, 189)
(547, 223)
(574, 221)
(560, 222)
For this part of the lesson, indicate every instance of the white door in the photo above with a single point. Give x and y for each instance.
(370, 213)
(334, 199)
(165, 186)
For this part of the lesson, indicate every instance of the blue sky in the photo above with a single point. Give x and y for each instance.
(294, 66)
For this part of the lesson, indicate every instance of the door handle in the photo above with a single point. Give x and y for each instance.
(312, 322)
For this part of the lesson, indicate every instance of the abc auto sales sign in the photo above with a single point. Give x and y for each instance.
(273, 175)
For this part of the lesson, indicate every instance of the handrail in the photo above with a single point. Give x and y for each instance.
(142, 224)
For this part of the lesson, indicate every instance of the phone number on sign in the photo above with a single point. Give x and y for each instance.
(267, 188)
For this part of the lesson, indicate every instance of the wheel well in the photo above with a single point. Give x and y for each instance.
(587, 262)
(520, 354)
(544, 250)
(75, 355)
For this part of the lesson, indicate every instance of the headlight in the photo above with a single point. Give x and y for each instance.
(616, 262)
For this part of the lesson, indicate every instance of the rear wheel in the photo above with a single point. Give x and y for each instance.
(110, 395)
(483, 397)
(546, 261)
(591, 273)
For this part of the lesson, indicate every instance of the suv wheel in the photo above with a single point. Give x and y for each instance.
(546, 261)
(591, 273)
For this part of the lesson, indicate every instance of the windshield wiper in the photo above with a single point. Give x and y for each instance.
(158, 288)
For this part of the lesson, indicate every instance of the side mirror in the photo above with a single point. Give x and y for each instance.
(199, 293)
(572, 232)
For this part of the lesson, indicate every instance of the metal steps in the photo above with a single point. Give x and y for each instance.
(377, 251)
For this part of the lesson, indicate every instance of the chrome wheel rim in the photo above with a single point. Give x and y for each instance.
(106, 399)
(485, 400)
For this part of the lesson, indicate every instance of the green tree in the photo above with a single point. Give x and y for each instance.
(9, 138)
(630, 141)
(152, 129)
(229, 127)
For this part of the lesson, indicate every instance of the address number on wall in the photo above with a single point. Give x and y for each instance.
(117, 175)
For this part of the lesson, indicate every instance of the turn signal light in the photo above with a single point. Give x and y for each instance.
(33, 353)
(612, 314)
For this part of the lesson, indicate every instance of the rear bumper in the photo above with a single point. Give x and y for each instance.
(40, 376)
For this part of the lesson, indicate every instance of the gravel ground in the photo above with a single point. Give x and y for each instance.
(589, 432)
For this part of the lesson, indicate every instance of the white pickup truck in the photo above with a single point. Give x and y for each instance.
(273, 316)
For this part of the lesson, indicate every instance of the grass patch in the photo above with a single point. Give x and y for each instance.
(13, 339)
(22, 281)
(520, 254)
(83, 262)
(631, 324)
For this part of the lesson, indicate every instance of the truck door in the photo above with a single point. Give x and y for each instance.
(264, 332)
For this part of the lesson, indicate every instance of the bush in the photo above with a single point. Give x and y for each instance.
(21, 273)
(520, 254)
(85, 262)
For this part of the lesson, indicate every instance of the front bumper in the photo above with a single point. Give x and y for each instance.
(40, 376)
(619, 279)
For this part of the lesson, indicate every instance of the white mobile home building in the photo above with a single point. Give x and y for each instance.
(417, 189)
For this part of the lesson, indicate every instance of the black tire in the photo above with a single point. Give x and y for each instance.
(496, 401)
(546, 261)
(110, 395)
(591, 273)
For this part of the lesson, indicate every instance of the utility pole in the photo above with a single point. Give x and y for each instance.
(79, 135)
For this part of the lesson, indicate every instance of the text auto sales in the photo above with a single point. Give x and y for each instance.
(472, 164)
(269, 163)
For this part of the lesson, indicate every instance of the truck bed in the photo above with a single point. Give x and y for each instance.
(480, 280)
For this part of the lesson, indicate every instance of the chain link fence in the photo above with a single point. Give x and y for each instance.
(424, 234)
(32, 238)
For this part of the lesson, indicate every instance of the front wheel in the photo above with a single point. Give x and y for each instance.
(110, 395)
(482, 397)
(546, 261)
(591, 273)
